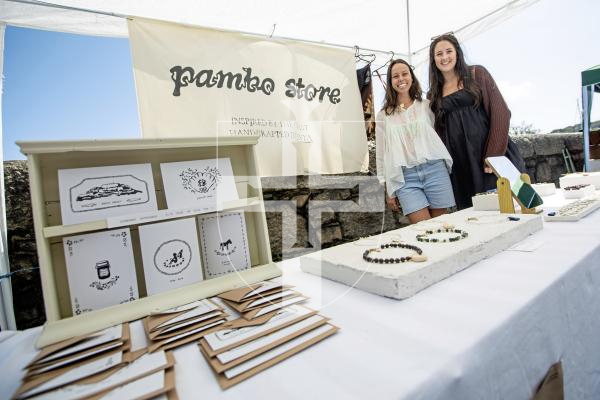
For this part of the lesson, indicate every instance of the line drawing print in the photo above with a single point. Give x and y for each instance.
(172, 257)
(225, 245)
(201, 181)
(118, 188)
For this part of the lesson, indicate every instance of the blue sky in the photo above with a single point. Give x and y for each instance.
(63, 86)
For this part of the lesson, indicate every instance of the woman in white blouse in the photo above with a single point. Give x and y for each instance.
(412, 161)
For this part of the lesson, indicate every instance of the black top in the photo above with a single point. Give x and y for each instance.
(465, 130)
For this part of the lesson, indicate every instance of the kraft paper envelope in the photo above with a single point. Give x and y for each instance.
(244, 293)
(173, 342)
(241, 322)
(121, 392)
(150, 324)
(74, 358)
(219, 366)
(93, 339)
(33, 381)
(294, 348)
(206, 306)
(262, 301)
(94, 377)
(212, 352)
(165, 334)
(115, 378)
(257, 312)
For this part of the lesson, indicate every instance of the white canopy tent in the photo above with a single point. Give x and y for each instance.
(383, 26)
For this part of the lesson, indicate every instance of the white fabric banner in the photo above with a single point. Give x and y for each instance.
(302, 100)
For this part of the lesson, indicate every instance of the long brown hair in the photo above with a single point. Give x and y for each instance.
(436, 79)
(391, 97)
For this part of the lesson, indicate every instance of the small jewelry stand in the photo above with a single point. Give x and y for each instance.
(506, 196)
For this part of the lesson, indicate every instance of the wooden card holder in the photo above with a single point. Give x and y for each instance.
(47, 157)
(506, 196)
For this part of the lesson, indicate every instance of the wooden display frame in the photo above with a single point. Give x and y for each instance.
(506, 196)
(45, 158)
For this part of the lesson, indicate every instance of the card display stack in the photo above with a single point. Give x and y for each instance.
(184, 324)
(261, 299)
(95, 366)
(246, 346)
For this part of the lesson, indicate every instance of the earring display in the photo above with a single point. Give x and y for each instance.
(419, 257)
(574, 211)
(426, 237)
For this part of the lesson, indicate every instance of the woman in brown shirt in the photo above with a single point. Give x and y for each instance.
(471, 117)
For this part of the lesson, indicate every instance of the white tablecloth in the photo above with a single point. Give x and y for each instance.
(488, 332)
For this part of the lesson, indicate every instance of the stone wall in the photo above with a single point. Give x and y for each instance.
(304, 213)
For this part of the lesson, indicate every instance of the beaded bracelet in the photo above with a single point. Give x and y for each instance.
(423, 237)
(419, 257)
(576, 187)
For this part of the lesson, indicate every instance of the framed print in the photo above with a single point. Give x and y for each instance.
(170, 255)
(198, 183)
(88, 194)
(100, 270)
(224, 243)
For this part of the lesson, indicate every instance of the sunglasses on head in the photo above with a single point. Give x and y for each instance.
(451, 33)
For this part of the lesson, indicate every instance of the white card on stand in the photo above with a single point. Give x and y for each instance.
(88, 194)
(224, 243)
(204, 183)
(170, 255)
(100, 269)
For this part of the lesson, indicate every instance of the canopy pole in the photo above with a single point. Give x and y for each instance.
(585, 92)
(462, 28)
(7, 312)
(268, 36)
(408, 31)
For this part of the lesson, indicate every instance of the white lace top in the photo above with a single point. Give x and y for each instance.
(406, 138)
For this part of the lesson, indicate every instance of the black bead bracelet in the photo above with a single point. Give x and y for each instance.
(419, 257)
(424, 237)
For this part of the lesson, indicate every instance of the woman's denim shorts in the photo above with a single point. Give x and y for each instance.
(426, 186)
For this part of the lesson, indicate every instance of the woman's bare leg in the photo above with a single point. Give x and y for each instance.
(436, 212)
(418, 216)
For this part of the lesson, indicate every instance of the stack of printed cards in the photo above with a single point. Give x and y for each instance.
(95, 366)
(184, 324)
(246, 348)
(261, 299)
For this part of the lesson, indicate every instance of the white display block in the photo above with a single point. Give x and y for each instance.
(581, 178)
(572, 211)
(585, 191)
(488, 202)
(487, 237)
(544, 189)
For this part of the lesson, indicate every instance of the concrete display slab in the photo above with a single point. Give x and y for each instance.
(489, 234)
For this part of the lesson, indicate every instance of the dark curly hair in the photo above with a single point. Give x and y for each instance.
(391, 97)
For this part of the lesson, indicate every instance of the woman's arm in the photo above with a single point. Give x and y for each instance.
(392, 202)
(497, 111)
(379, 146)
